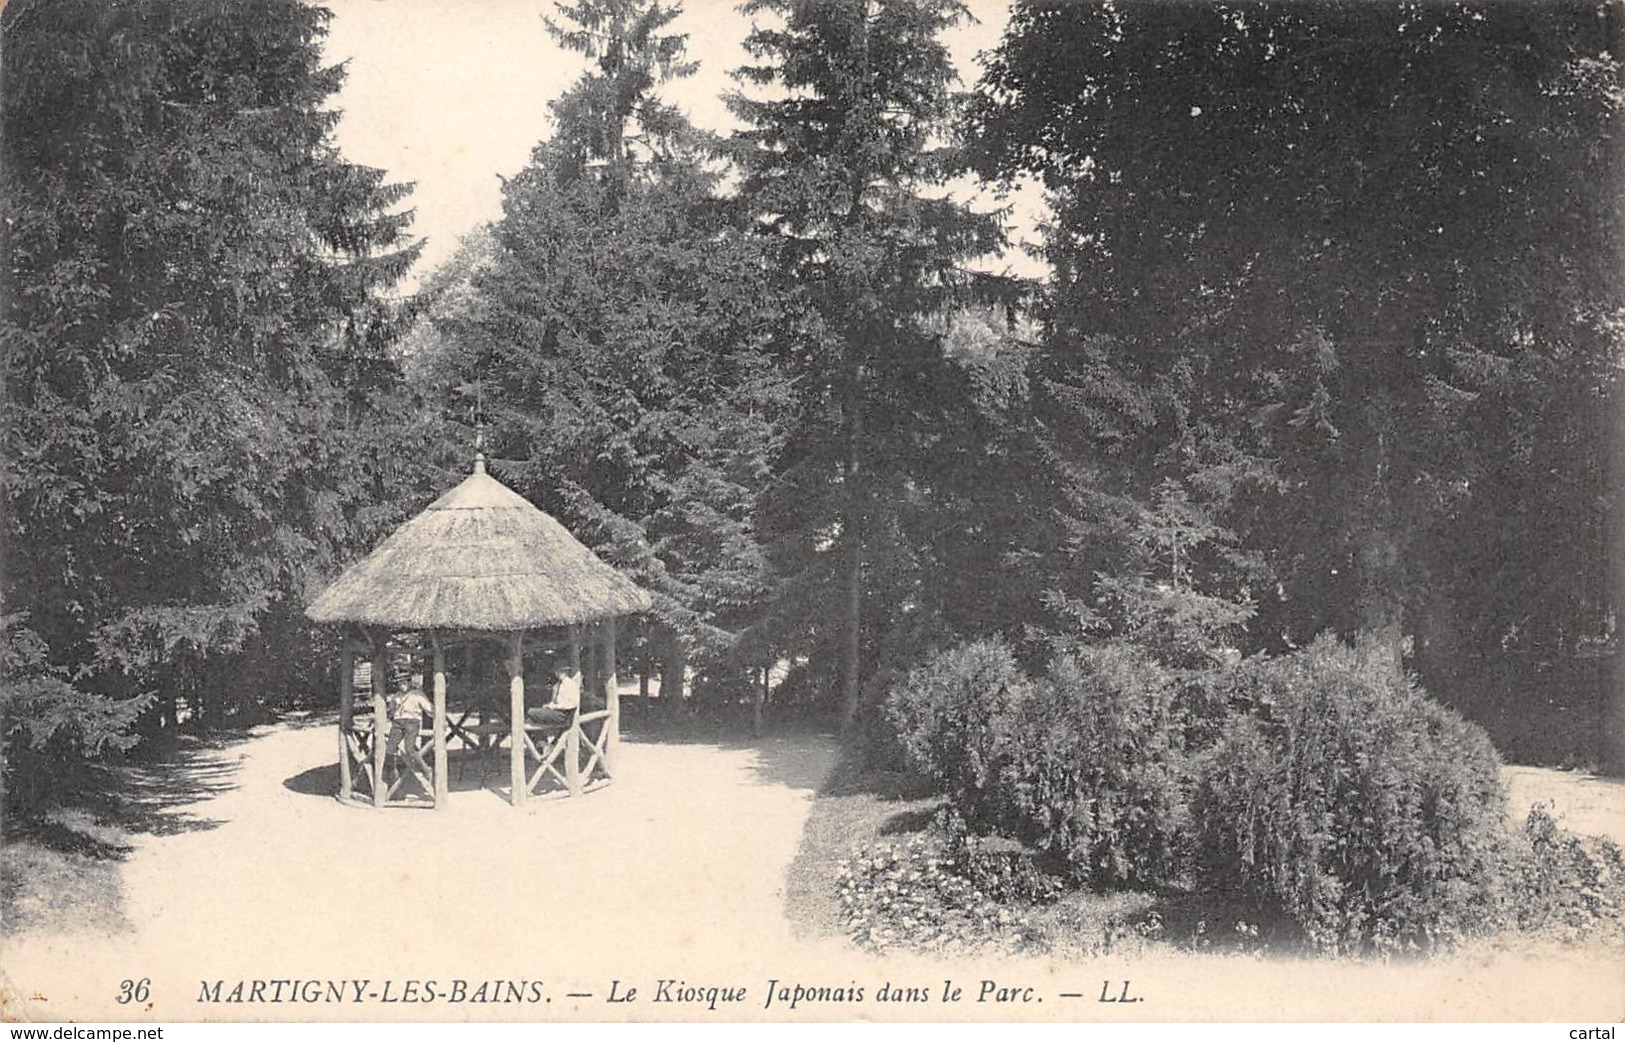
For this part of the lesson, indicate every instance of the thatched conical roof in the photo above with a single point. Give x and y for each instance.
(481, 557)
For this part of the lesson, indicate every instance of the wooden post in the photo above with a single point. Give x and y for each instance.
(380, 718)
(590, 673)
(442, 786)
(473, 681)
(516, 718)
(612, 699)
(572, 733)
(572, 754)
(346, 717)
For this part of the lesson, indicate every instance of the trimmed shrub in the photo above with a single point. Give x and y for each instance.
(1084, 765)
(1352, 807)
(1098, 775)
(953, 718)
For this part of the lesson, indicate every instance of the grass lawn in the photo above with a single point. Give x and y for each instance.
(855, 809)
(63, 876)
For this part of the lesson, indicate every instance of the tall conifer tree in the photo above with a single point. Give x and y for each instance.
(615, 340)
(195, 349)
(844, 157)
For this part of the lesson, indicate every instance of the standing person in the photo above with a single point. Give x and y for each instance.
(406, 711)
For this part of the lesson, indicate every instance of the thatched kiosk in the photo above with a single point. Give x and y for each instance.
(480, 565)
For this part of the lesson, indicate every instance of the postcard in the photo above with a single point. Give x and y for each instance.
(645, 624)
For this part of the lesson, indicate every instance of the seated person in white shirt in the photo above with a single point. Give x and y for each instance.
(566, 700)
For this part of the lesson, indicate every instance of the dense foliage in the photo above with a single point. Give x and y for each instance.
(1086, 764)
(1333, 333)
(195, 358)
(1354, 807)
(1098, 769)
(609, 333)
(1565, 885)
(1333, 805)
(1349, 273)
(947, 713)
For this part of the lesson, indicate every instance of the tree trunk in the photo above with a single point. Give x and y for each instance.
(758, 705)
(672, 673)
(853, 645)
(4, 761)
(1440, 649)
(1379, 565)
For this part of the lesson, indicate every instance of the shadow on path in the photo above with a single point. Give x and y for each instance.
(321, 780)
(795, 756)
(795, 753)
(158, 793)
(468, 773)
(803, 761)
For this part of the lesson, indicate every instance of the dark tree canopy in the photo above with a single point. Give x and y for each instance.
(196, 337)
(1351, 270)
(1332, 339)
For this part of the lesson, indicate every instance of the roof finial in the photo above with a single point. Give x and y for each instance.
(479, 426)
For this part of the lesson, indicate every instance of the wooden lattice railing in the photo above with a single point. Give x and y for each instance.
(362, 766)
(585, 733)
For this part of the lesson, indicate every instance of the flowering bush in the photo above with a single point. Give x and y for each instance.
(908, 895)
(1565, 885)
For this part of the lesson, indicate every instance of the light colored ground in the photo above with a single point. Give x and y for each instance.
(677, 865)
(675, 872)
(1582, 802)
